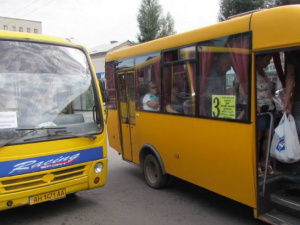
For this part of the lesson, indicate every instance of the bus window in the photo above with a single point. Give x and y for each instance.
(148, 88)
(111, 86)
(179, 95)
(224, 75)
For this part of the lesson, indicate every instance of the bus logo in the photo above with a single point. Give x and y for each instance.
(52, 163)
(281, 144)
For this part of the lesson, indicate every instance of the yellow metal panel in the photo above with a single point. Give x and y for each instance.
(216, 155)
(276, 28)
(114, 129)
(233, 26)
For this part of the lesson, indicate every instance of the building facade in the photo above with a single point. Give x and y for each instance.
(20, 25)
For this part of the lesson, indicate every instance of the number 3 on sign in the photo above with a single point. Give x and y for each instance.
(216, 107)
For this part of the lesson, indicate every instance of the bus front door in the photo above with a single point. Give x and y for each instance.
(126, 101)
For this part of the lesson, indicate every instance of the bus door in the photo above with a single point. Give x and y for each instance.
(126, 103)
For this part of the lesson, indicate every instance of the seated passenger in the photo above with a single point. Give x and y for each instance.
(174, 105)
(150, 100)
(216, 82)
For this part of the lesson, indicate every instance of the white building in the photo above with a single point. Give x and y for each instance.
(20, 25)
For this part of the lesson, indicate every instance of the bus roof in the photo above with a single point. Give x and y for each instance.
(35, 37)
(264, 24)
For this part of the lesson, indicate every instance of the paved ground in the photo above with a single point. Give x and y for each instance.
(127, 200)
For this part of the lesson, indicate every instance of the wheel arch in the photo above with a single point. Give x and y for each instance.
(149, 149)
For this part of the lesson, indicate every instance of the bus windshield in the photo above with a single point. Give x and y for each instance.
(45, 86)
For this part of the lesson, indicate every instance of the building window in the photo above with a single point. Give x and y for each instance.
(28, 30)
(21, 29)
(14, 28)
(5, 27)
(36, 31)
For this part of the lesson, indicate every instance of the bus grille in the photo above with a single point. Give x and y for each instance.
(38, 179)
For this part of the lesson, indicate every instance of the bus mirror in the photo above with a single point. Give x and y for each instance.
(104, 91)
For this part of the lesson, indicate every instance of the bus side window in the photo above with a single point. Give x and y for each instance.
(224, 77)
(216, 83)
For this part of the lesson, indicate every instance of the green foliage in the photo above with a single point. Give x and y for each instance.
(167, 26)
(233, 7)
(152, 24)
(274, 3)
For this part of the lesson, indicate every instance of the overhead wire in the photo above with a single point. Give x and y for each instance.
(20, 17)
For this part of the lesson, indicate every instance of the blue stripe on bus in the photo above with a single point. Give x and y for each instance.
(29, 165)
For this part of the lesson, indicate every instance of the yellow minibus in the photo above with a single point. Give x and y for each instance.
(52, 131)
(189, 106)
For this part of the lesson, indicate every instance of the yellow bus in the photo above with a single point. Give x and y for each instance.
(202, 126)
(52, 131)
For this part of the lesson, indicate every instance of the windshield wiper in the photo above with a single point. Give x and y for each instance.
(63, 133)
(40, 128)
(30, 130)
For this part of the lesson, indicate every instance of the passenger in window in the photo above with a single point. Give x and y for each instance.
(151, 100)
(241, 99)
(216, 82)
(264, 104)
(292, 86)
(174, 105)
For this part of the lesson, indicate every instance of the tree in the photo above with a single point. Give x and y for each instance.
(274, 3)
(167, 26)
(151, 22)
(233, 7)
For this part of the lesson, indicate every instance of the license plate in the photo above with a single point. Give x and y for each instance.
(47, 196)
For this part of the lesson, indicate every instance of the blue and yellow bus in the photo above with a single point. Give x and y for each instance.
(52, 131)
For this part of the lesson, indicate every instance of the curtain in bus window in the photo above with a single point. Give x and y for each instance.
(205, 67)
(239, 51)
(167, 83)
(110, 76)
(240, 59)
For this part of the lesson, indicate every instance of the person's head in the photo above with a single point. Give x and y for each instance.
(152, 87)
(224, 63)
(262, 61)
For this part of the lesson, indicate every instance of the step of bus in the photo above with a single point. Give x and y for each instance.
(279, 218)
(287, 201)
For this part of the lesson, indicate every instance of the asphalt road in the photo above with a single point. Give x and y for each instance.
(127, 200)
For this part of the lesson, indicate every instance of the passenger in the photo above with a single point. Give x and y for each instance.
(292, 87)
(264, 104)
(150, 100)
(216, 82)
(174, 105)
(241, 99)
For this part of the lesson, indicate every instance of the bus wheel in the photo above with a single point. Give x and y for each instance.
(153, 173)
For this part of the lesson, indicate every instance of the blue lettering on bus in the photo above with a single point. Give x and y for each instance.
(16, 167)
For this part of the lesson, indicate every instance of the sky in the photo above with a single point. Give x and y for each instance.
(97, 22)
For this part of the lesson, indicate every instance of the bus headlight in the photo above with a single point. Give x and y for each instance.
(98, 167)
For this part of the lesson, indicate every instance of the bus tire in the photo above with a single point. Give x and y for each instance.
(153, 173)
